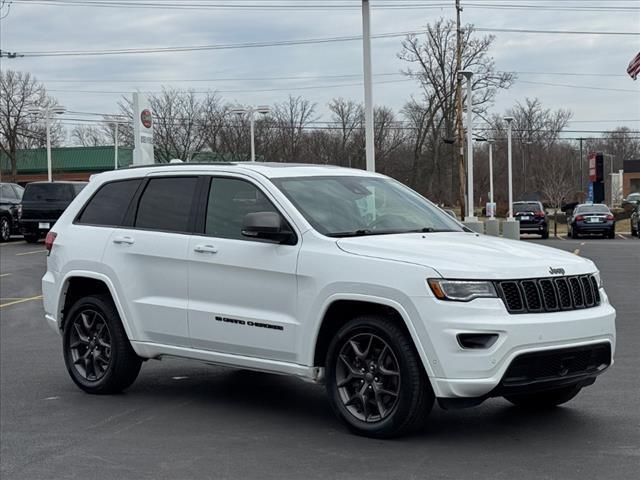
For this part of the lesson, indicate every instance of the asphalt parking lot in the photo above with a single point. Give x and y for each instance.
(184, 420)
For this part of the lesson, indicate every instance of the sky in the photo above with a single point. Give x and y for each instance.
(583, 73)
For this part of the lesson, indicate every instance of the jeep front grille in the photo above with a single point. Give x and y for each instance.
(549, 294)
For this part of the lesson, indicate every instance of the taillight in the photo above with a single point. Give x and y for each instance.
(48, 241)
(609, 217)
(539, 214)
(580, 217)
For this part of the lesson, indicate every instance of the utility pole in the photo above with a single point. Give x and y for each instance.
(115, 147)
(459, 129)
(581, 167)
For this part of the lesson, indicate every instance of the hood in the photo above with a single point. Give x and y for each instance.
(469, 256)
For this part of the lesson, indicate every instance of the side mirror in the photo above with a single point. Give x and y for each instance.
(267, 226)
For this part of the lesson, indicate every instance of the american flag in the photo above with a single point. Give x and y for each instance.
(634, 67)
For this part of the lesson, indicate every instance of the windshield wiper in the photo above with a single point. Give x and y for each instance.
(355, 233)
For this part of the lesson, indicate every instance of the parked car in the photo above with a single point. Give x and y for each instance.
(42, 204)
(592, 218)
(631, 201)
(10, 197)
(329, 274)
(532, 218)
(635, 221)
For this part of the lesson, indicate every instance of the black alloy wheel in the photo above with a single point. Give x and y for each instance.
(368, 377)
(5, 229)
(90, 345)
(375, 379)
(97, 352)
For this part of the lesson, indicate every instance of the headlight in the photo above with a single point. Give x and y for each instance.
(598, 279)
(461, 290)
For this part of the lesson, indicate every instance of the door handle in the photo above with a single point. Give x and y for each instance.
(205, 249)
(124, 240)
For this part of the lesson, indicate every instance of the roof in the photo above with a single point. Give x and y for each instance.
(72, 182)
(71, 159)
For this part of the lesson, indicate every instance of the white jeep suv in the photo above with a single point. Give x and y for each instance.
(333, 275)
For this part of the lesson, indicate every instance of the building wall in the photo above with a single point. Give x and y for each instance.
(631, 177)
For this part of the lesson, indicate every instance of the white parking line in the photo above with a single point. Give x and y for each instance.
(622, 236)
(30, 253)
(4, 275)
(583, 243)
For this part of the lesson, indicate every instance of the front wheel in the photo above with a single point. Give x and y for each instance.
(545, 399)
(376, 382)
(97, 352)
(31, 238)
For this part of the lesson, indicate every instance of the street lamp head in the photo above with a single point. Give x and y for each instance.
(238, 111)
(58, 109)
(465, 73)
(263, 109)
(508, 119)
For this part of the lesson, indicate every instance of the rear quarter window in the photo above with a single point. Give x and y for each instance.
(109, 205)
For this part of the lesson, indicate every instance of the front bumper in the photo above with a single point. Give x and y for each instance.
(457, 372)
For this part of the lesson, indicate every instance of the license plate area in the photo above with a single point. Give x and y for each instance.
(44, 225)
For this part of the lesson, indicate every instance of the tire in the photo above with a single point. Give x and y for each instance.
(402, 394)
(611, 234)
(115, 365)
(546, 399)
(545, 234)
(32, 238)
(5, 229)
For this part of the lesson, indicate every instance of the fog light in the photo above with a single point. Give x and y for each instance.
(476, 341)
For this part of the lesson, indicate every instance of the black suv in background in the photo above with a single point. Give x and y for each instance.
(592, 218)
(532, 218)
(10, 197)
(42, 205)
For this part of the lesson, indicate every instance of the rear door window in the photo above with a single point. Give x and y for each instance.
(7, 195)
(109, 204)
(165, 204)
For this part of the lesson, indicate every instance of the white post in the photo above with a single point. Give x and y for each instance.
(253, 140)
(510, 166)
(47, 121)
(368, 88)
(115, 149)
(471, 210)
(491, 177)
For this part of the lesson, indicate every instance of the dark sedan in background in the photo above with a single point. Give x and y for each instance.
(592, 219)
(532, 218)
(10, 197)
(635, 221)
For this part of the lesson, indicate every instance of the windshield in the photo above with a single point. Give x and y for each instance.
(351, 206)
(592, 209)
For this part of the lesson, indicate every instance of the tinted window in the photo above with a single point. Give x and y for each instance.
(166, 203)
(49, 192)
(78, 187)
(229, 201)
(7, 193)
(109, 205)
(526, 207)
(597, 208)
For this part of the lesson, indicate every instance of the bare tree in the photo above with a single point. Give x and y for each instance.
(290, 118)
(556, 184)
(89, 136)
(19, 128)
(349, 116)
(434, 65)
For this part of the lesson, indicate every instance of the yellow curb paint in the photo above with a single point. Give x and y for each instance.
(22, 300)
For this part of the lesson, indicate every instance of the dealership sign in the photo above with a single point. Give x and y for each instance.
(593, 173)
(142, 130)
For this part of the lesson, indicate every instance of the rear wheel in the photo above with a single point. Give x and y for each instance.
(5, 229)
(97, 352)
(32, 238)
(376, 382)
(611, 234)
(545, 233)
(546, 399)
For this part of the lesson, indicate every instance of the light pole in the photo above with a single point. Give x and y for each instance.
(250, 111)
(48, 112)
(511, 228)
(470, 209)
(368, 88)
